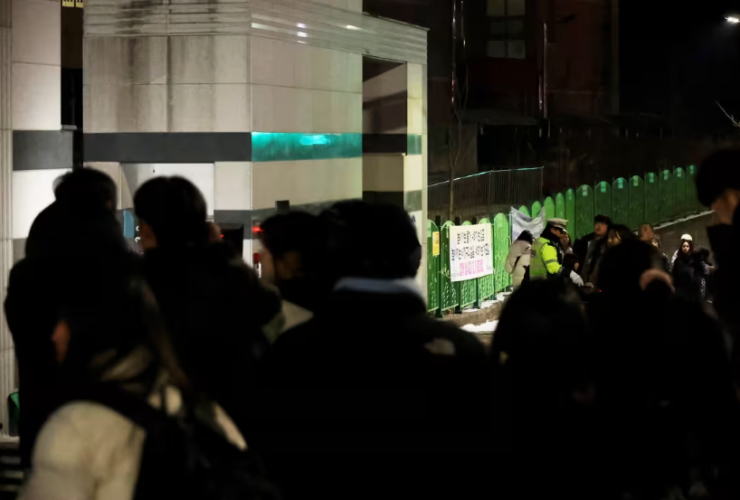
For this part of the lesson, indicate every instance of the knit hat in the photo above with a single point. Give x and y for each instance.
(687, 237)
(720, 171)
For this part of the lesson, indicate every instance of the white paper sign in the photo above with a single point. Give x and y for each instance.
(521, 222)
(471, 252)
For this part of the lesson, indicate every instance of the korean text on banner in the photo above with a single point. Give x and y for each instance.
(471, 252)
(521, 222)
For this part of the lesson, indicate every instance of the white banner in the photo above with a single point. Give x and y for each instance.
(521, 222)
(471, 252)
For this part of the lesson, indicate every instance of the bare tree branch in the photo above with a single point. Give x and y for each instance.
(735, 123)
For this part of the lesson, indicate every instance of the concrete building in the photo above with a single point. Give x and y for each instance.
(255, 101)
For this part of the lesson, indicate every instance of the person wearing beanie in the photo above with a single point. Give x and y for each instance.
(685, 239)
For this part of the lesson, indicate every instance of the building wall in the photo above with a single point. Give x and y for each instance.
(271, 110)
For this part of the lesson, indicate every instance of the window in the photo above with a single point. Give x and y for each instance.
(506, 35)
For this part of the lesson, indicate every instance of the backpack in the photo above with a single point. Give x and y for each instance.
(183, 457)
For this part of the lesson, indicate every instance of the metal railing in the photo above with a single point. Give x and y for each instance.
(481, 195)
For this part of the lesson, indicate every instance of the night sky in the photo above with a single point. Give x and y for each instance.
(677, 59)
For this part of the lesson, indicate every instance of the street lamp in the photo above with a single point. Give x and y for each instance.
(733, 19)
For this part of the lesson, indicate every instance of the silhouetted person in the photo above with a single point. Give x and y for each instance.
(290, 260)
(371, 372)
(662, 376)
(543, 393)
(80, 222)
(111, 346)
(213, 304)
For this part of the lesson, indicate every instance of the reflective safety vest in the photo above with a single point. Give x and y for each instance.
(544, 260)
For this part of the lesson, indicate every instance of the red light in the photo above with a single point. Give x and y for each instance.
(222, 236)
(256, 229)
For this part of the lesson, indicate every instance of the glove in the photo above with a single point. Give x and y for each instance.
(576, 279)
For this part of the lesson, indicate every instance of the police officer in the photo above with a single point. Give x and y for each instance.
(547, 258)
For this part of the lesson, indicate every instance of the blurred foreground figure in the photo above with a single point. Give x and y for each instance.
(663, 388)
(718, 187)
(290, 258)
(80, 223)
(372, 373)
(543, 394)
(213, 304)
(114, 439)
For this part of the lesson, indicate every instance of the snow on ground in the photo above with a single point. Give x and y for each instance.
(487, 327)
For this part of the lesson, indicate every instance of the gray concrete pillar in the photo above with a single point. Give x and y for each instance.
(395, 141)
(7, 355)
(42, 151)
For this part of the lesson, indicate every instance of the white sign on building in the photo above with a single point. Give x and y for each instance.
(471, 252)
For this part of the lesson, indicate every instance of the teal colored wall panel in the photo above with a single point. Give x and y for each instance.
(268, 146)
(413, 144)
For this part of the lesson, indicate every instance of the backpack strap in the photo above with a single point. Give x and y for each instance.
(127, 405)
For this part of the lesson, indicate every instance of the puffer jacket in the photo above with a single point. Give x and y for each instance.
(517, 268)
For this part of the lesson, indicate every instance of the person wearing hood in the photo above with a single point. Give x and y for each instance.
(546, 257)
(517, 262)
(213, 304)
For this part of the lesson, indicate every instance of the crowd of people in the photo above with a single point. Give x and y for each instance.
(179, 372)
(554, 254)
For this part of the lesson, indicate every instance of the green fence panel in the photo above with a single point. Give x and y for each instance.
(560, 206)
(433, 243)
(549, 208)
(692, 200)
(485, 284)
(652, 198)
(501, 244)
(570, 207)
(449, 292)
(679, 193)
(468, 288)
(603, 199)
(620, 201)
(636, 202)
(666, 195)
(584, 211)
(524, 210)
(536, 209)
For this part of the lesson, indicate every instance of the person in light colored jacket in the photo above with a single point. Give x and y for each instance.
(517, 262)
(108, 338)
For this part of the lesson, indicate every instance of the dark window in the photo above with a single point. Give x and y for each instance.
(506, 36)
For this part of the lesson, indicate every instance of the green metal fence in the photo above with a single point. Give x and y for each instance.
(659, 197)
